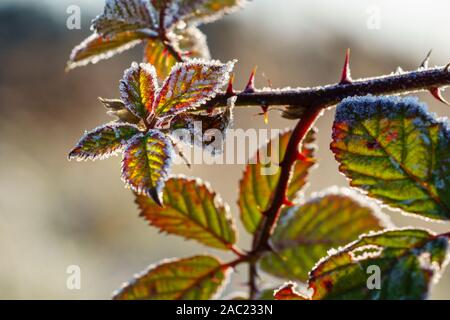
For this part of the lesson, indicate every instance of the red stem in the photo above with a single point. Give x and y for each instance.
(271, 215)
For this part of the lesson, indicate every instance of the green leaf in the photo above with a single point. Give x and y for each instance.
(307, 232)
(408, 261)
(190, 85)
(192, 210)
(126, 15)
(396, 151)
(190, 42)
(97, 47)
(138, 88)
(257, 189)
(146, 162)
(196, 278)
(103, 141)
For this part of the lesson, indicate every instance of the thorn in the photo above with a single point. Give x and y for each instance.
(265, 113)
(230, 92)
(447, 67)
(424, 64)
(399, 70)
(275, 252)
(250, 87)
(302, 157)
(437, 93)
(346, 77)
(287, 202)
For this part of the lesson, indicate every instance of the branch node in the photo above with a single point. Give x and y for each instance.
(287, 202)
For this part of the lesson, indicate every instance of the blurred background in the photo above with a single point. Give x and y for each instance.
(55, 213)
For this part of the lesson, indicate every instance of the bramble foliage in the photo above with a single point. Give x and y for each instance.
(164, 26)
(147, 148)
(390, 149)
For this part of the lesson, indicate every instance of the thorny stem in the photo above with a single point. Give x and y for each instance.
(270, 216)
(314, 101)
(329, 95)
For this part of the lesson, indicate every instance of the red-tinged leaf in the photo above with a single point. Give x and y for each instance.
(397, 265)
(138, 88)
(192, 210)
(288, 292)
(190, 42)
(126, 15)
(103, 141)
(307, 232)
(97, 47)
(256, 189)
(146, 162)
(203, 11)
(396, 151)
(190, 85)
(196, 278)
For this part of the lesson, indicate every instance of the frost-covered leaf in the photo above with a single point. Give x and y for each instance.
(203, 128)
(288, 292)
(201, 11)
(138, 88)
(146, 162)
(192, 210)
(256, 189)
(190, 85)
(103, 141)
(306, 232)
(126, 15)
(195, 278)
(97, 47)
(405, 262)
(190, 42)
(116, 108)
(396, 151)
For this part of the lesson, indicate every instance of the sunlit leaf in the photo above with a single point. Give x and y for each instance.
(103, 141)
(201, 11)
(192, 210)
(396, 151)
(191, 42)
(138, 88)
(126, 15)
(404, 261)
(146, 162)
(190, 85)
(196, 278)
(257, 185)
(97, 47)
(288, 292)
(307, 232)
